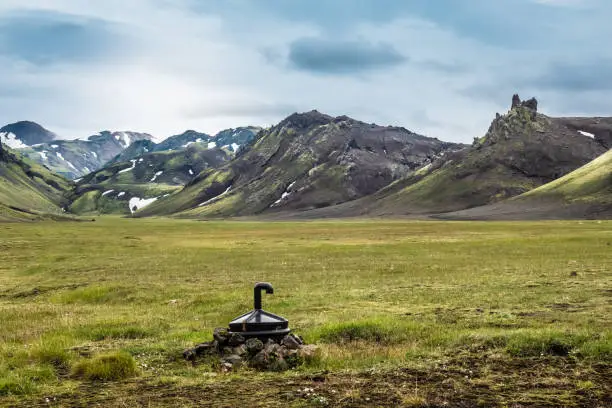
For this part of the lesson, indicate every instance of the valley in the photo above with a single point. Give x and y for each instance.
(406, 313)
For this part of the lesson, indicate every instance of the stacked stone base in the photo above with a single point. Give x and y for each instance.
(233, 351)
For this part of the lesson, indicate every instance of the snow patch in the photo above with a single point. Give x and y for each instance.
(43, 154)
(131, 168)
(77, 180)
(54, 146)
(188, 144)
(216, 197)
(235, 147)
(140, 160)
(212, 145)
(136, 203)
(107, 192)
(126, 139)
(95, 154)
(67, 162)
(286, 194)
(121, 194)
(199, 140)
(11, 140)
(159, 173)
(191, 172)
(587, 134)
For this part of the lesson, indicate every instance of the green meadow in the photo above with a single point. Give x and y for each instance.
(406, 313)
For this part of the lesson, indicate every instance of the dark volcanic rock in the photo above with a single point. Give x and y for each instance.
(275, 355)
(309, 160)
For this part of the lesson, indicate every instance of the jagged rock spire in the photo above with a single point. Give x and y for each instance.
(531, 104)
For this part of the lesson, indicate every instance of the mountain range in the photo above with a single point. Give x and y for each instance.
(312, 165)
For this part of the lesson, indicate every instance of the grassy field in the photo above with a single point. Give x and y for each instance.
(406, 313)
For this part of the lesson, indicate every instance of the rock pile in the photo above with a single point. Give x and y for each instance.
(233, 351)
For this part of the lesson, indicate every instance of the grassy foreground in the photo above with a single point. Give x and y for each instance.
(406, 313)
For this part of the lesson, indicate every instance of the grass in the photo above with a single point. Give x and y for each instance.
(402, 310)
(591, 182)
(106, 367)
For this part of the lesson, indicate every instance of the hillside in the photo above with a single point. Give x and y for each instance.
(309, 160)
(75, 158)
(583, 193)
(25, 133)
(120, 187)
(522, 150)
(27, 189)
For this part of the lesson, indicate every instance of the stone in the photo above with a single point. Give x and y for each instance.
(254, 345)
(308, 352)
(189, 355)
(241, 350)
(234, 360)
(226, 367)
(227, 351)
(278, 364)
(221, 335)
(516, 101)
(204, 348)
(260, 360)
(236, 339)
(291, 342)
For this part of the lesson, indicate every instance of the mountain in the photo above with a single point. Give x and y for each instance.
(118, 187)
(75, 158)
(23, 134)
(233, 139)
(28, 190)
(135, 150)
(308, 160)
(583, 193)
(522, 150)
(182, 141)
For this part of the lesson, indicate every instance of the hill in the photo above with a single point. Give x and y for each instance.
(522, 150)
(75, 158)
(120, 187)
(309, 160)
(583, 193)
(27, 190)
(23, 134)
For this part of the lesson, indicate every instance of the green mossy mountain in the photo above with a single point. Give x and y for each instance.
(149, 176)
(522, 150)
(583, 193)
(307, 161)
(27, 190)
(75, 158)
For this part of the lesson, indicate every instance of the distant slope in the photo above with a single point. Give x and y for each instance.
(118, 187)
(522, 150)
(27, 189)
(75, 158)
(308, 160)
(583, 193)
(23, 134)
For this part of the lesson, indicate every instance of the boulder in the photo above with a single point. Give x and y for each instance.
(236, 339)
(221, 335)
(254, 345)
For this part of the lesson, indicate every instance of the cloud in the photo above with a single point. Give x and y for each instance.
(43, 37)
(342, 57)
(577, 76)
(438, 68)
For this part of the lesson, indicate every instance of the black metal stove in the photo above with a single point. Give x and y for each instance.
(259, 323)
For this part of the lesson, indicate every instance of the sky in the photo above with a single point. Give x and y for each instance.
(441, 68)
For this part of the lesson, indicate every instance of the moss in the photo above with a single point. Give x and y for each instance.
(107, 367)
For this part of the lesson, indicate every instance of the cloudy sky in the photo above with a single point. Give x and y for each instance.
(438, 67)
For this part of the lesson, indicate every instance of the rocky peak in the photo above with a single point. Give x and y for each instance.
(28, 133)
(306, 120)
(531, 104)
